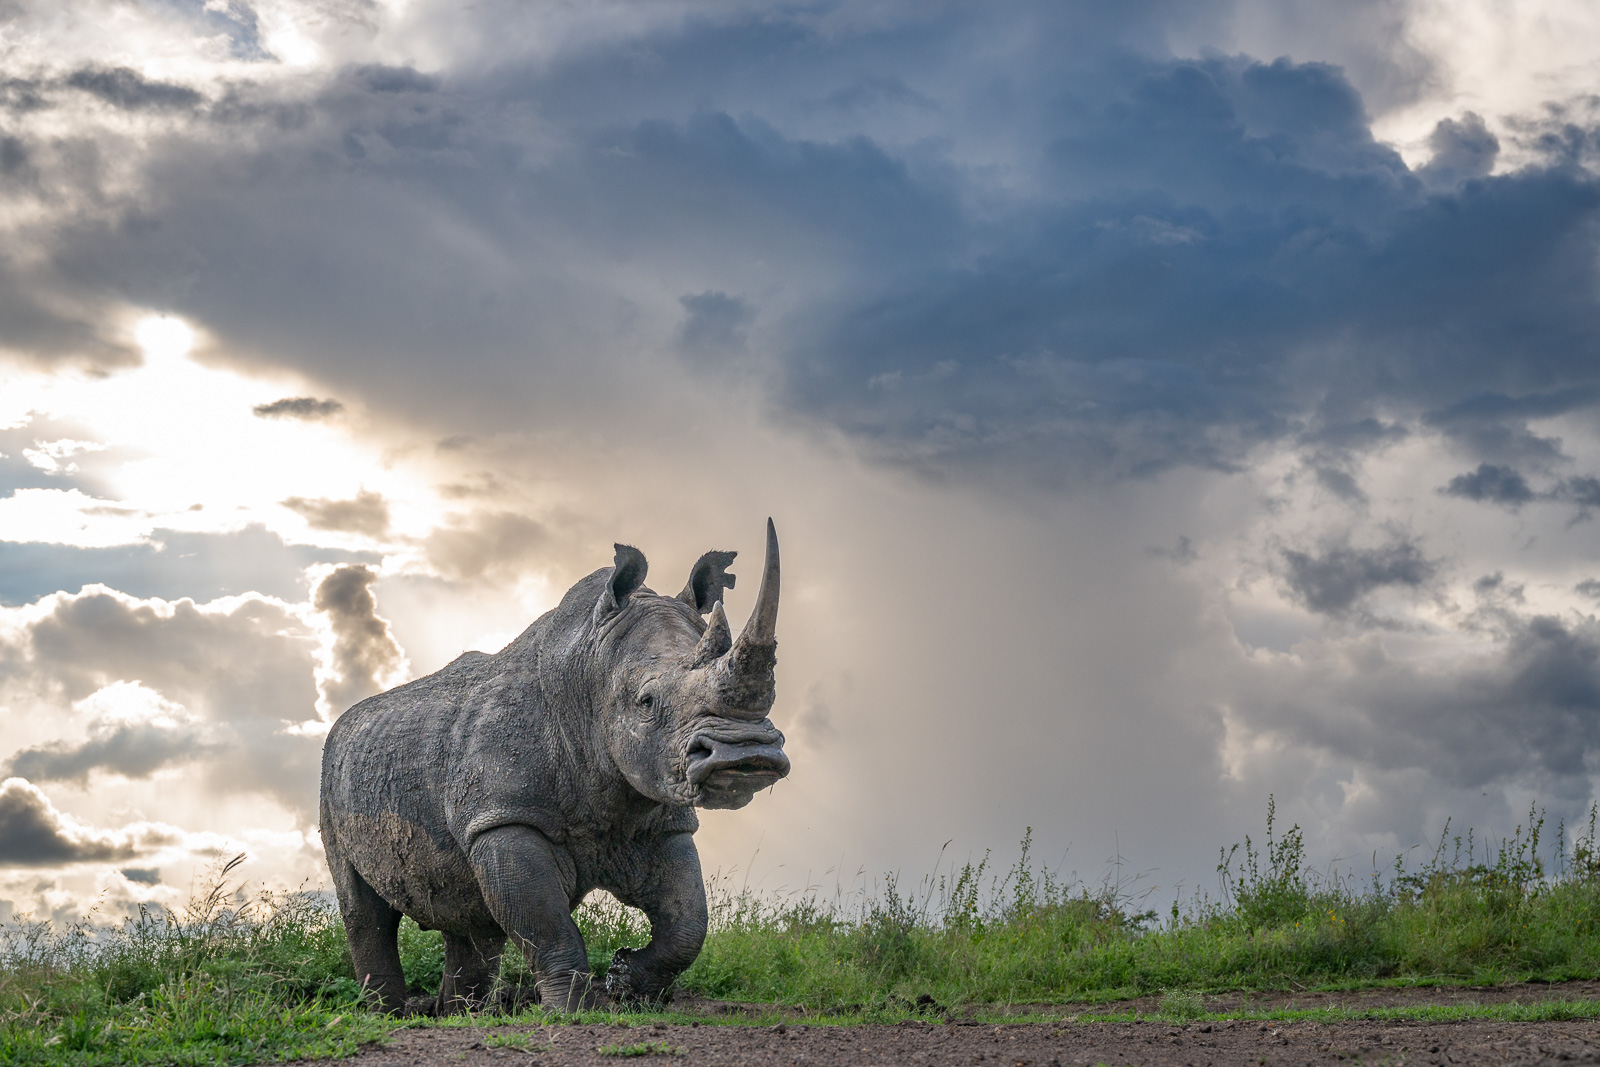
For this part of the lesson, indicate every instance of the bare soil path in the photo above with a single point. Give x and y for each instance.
(1063, 1044)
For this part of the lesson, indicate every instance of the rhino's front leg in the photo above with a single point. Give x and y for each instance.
(529, 886)
(671, 892)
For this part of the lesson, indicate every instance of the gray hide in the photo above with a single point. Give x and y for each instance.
(487, 799)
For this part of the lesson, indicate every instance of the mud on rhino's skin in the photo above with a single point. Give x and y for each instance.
(488, 798)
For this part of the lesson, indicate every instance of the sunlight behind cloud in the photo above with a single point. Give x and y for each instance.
(178, 446)
(1499, 59)
(164, 337)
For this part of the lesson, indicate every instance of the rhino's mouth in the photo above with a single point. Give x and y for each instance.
(735, 762)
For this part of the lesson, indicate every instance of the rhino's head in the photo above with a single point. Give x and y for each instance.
(684, 704)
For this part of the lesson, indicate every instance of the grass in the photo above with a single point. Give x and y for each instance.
(518, 1041)
(237, 980)
(642, 1048)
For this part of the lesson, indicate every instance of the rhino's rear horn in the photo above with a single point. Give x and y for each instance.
(627, 575)
(746, 672)
(717, 639)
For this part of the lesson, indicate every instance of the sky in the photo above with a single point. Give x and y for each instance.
(1162, 406)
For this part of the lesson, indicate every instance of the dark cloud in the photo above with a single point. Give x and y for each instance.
(365, 653)
(1495, 424)
(717, 326)
(1155, 318)
(876, 92)
(1360, 436)
(34, 834)
(1336, 580)
(133, 750)
(1507, 487)
(1341, 484)
(13, 157)
(21, 94)
(37, 326)
(367, 513)
(1182, 553)
(1492, 485)
(1589, 587)
(299, 407)
(1526, 711)
(142, 875)
(382, 79)
(1462, 150)
(1582, 490)
(1151, 262)
(126, 88)
(1495, 585)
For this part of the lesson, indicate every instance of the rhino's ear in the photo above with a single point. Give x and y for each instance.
(707, 581)
(627, 575)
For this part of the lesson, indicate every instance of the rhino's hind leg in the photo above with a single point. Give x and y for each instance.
(470, 967)
(372, 926)
(672, 894)
(529, 885)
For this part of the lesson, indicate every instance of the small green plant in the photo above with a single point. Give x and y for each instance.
(1282, 892)
(642, 1048)
(1182, 1005)
(514, 1040)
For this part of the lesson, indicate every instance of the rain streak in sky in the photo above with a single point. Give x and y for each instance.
(1162, 405)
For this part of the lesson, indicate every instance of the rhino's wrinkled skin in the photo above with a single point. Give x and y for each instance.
(487, 799)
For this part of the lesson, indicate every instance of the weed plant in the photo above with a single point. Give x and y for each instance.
(237, 979)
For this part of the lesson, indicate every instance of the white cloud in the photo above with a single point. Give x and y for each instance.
(70, 517)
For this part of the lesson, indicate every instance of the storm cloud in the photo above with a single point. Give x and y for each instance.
(1493, 485)
(1336, 579)
(34, 834)
(1527, 710)
(126, 88)
(135, 750)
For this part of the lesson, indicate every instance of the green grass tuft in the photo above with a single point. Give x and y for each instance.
(642, 1048)
(1181, 1005)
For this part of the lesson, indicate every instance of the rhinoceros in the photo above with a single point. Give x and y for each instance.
(487, 799)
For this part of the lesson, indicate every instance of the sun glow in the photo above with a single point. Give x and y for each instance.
(164, 337)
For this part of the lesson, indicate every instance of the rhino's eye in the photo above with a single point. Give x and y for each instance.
(647, 700)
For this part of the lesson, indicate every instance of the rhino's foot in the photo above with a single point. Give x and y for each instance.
(427, 1007)
(511, 999)
(570, 991)
(628, 986)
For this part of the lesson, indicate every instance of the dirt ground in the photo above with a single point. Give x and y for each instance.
(965, 1042)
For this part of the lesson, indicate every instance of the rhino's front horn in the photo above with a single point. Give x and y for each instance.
(746, 672)
(762, 627)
